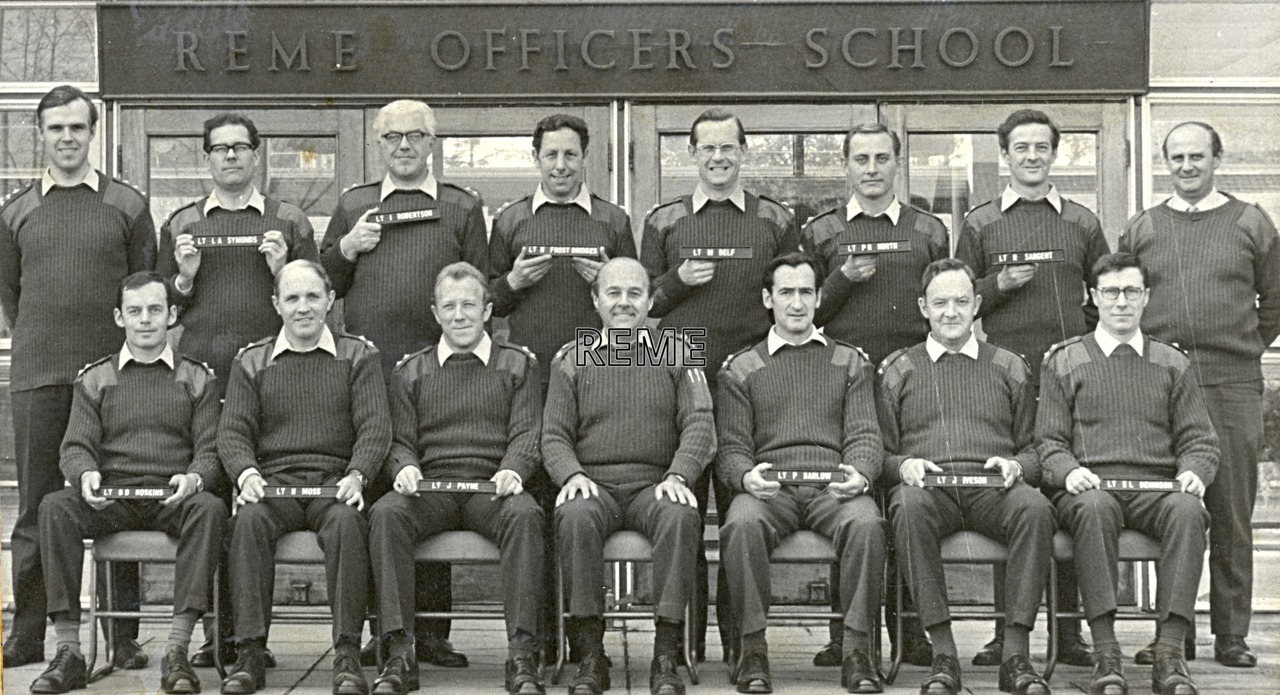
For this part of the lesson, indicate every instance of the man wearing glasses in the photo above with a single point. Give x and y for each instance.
(384, 273)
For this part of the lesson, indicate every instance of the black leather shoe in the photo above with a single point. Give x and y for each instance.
(348, 677)
(1108, 674)
(1075, 651)
(203, 658)
(1147, 655)
(919, 652)
(1231, 650)
(439, 652)
(19, 651)
(66, 672)
(249, 674)
(857, 675)
(1018, 677)
(945, 677)
(521, 676)
(592, 677)
(991, 654)
(830, 655)
(176, 673)
(664, 679)
(753, 673)
(129, 655)
(1169, 674)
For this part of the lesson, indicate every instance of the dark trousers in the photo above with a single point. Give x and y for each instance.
(754, 527)
(1019, 517)
(342, 532)
(1094, 519)
(1236, 413)
(397, 523)
(199, 523)
(582, 525)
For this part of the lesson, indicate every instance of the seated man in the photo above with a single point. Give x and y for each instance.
(1115, 403)
(624, 434)
(799, 399)
(140, 417)
(305, 408)
(954, 405)
(466, 408)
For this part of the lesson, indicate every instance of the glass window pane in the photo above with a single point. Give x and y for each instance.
(500, 168)
(1250, 167)
(48, 45)
(20, 155)
(1223, 41)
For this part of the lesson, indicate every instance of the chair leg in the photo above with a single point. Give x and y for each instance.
(898, 631)
(93, 613)
(109, 650)
(218, 666)
(1051, 657)
(561, 638)
(690, 652)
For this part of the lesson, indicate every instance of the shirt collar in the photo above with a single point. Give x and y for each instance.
(256, 201)
(91, 179)
(853, 209)
(429, 186)
(1108, 343)
(582, 200)
(738, 198)
(936, 349)
(326, 343)
(166, 356)
(1010, 196)
(483, 349)
(775, 342)
(1209, 202)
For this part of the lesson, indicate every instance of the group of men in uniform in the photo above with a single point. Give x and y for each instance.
(618, 428)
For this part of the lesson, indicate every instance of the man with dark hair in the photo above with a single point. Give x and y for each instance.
(384, 274)
(141, 416)
(1027, 307)
(304, 408)
(624, 437)
(798, 399)
(869, 299)
(954, 405)
(1118, 404)
(66, 241)
(466, 408)
(1214, 263)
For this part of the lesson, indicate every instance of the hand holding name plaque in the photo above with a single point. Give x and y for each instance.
(1082, 479)
(529, 268)
(755, 482)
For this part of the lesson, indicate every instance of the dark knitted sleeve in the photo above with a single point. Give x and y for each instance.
(888, 410)
(697, 428)
(81, 444)
(1096, 247)
(502, 258)
(524, 424)
(474, 239)
(862, 447)
(369, 415)
(1022, 402)
(1055, 424)
(204, 435)
(939, 245)
(737, 454)
(238, 426)
(668, 289)
(1266, 273)
(10, 272)
(819, 240)
(972, 251)
(142, 242)
(167, 264)
(621, 243)
(341, 270)
(402, 393)
(1194, 441)
(560, 424)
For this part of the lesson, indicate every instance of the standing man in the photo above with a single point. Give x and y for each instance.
(467, 408)
(1117, 404)
(66, 242)
(955, 406)
(1214, 265)
(623, 436)
(1028, 307)
(141, 416)
(797, 399)
(869, 299)
(384, 274)
(305, 408)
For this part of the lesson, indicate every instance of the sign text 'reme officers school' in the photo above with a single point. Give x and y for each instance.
(505, 48)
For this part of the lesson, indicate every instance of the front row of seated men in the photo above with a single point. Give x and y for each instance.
(622, 436)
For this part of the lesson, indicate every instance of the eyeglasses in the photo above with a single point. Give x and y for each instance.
(1132, 294)
(727, 149)
(240, 148)
(414, 136)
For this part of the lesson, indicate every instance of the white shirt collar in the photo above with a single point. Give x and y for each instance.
(582, 200)
(1209, 202)
(166, 356)
(1108, 343)
(256, 201)
(775, 342)
(854, 208)
(429, 186)
(1010, 196)
(326, 343)
(91, 179)
(483, 349)
(936, 349)
(738, 198)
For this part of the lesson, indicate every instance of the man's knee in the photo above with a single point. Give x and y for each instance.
(390, 510)
(59, 507)
(1029, 507)
(1089, 508)
(1185, 514)
(910, 507)
(205, 507)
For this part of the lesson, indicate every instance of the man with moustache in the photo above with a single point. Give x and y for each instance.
(1214, 265)
(66, 242)
(623, 436)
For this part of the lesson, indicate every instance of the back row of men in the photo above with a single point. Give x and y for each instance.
(1212, 260)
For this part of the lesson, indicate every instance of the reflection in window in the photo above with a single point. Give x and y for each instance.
(1211, 40)
(20, 155)
(500, 168)
(1250, 167)
(56, 44)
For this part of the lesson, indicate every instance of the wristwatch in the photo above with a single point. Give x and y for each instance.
(357, 475)
(679, 477)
